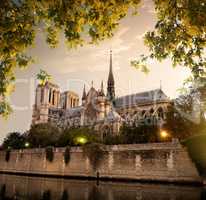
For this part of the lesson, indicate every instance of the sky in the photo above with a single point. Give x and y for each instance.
(71, 69)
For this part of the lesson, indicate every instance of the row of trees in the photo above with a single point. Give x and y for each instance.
(44, 135)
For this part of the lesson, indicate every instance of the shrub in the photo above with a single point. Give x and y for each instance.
(43, 135)
(14, 140)
(3, 192)
(49, 154)
(77, 136)
(94, 152)
(65, 195)
(7, 156)
(67, 155)
(46, 195)
(196, 146)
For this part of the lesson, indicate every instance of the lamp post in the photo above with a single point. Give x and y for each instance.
(26, 144)
(164, 135)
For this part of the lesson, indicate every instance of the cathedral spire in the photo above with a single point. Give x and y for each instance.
(102, 89)
(110, 82)
(102, 86)
(84, 93)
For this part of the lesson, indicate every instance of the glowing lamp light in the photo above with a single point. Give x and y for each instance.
(81, 140)
(164, 134)
(26, 144)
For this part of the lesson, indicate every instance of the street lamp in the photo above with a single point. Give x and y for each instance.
(27, 144)
(81, 140)
(164, 134)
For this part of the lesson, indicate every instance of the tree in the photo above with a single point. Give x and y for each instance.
(43, 77)
(177, 124)
(82, 21)
(186, 116)
(14, 140)
(179, 34)
(77, 136)
(141, 133)
(43, 135)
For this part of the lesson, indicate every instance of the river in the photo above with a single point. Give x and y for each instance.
(36, 188)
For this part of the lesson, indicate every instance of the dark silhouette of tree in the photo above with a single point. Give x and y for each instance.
(65, 195)
(14, 140)
(46, 195)
(42, 135)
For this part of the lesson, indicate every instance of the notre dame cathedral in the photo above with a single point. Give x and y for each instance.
(104, 112)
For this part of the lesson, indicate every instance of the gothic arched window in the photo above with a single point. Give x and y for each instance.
(50, 94)
(42, 95)
(53, 97)
(160, 112)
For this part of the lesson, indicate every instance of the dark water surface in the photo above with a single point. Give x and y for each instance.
(31, 188)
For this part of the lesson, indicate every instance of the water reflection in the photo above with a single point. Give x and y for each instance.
(22, 188)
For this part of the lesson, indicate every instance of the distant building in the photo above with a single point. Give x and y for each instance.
(105, 113)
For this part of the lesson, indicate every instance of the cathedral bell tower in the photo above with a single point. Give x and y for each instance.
(110, 82)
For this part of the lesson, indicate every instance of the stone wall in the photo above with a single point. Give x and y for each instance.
(168, 162)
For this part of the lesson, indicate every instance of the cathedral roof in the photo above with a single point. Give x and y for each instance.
(74, 112)
(113, 116)
(151, 96)
(91, 94)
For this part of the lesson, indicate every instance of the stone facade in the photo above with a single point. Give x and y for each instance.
(105, 113)
(168, 162)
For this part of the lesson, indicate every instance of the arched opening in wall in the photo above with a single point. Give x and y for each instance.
(143, 113)
(106, 131)
(135, 112)
(50, 95)
(65, 102)
(151, 111)
(53, 96)
(160, 112)
(42, 95)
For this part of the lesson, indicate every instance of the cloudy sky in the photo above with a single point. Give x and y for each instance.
(71, 69)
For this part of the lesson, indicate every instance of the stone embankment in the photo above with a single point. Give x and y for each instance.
(161, 162)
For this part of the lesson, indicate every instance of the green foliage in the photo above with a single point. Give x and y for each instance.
(179, 34)
(81, 22)
(49, 154)
(3, 191)
(43, 77)
(67, 155)
(46, 195)
(14, 140)
(196, 146)
(43, 135)
(178, 125)
(65, 195)
(7, 155)
(94, 152)
(142, 133)
(113, 140)
(183, 118)
(5, 108)
(72, 136)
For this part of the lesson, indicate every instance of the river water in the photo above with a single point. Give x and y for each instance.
(32, 188)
